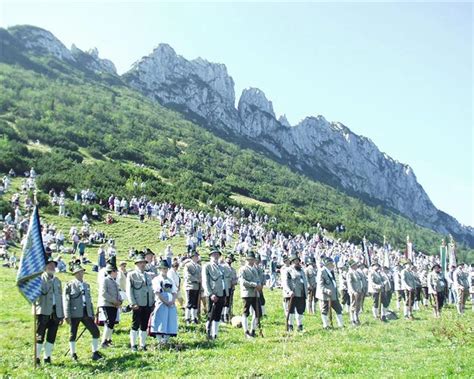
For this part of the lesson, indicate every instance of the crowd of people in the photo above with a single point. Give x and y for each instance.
(310, 269)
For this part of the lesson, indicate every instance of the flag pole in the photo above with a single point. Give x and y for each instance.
(35, 348)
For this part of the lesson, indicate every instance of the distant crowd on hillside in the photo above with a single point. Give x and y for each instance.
(232, 229)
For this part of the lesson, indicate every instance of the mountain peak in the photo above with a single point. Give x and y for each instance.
(256, 97)
(40, 41)
(284, 121)
(90, 60)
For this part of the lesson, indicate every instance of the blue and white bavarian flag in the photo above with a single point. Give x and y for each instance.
(32, 261)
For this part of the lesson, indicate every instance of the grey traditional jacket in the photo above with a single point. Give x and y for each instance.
(109, 293)
(213, 280)
(51, 295)
(192, 276)
(249, 279)
(295, 282)
(326, 285)
(139, 289)
(77, 297)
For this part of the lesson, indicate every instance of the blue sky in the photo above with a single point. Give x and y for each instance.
(398, 73)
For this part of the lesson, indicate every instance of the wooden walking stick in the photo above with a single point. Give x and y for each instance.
(199, 304)
(436, 304)
(257, 315)
(380, 304)
(77, 339)
(330, 312)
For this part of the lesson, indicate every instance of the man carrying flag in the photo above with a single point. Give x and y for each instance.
(49, 310)
(32, 264)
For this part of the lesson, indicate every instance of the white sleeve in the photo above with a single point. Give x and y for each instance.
(156, 284)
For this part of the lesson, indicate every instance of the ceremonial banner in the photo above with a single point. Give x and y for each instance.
(442, 256)
(32, 261)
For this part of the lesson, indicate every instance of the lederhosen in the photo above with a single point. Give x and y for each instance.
(49, 323)
(141, 316)
(192, 297)
(214, 310)
(86, 320)
(335, 304)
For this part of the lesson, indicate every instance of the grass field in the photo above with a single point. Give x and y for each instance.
(422, 348)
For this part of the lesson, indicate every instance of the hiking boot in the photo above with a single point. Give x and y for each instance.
(134, 349)
(47, 361)
(96, 356)
(74, 357)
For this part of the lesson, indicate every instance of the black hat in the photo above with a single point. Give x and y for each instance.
(110, 267)
(436, 265)
(77, 268)
(140, 257)
(50, 259)
(112, 260)
(294, 257)
(352, 262)
(231, 257)
(194, 253)
(214, 251)
(327, 260)
(147, 251)
(163, 264)
(250, 255)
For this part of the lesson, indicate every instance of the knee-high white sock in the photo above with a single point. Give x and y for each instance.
(245, 325)
(95, 344)
(72, 347)
(405, 310)
(143, 334)
(109, 334)
(187, 314)
(39, 347)
(299, 319)
(384, 311)
(340, 323)
(398, 305)
(263, 310)
(133, 337)
(291, 318)
(48, 349)
(215, 328)
(325, 320)
(375, 312)
(254, 322)
(105, 336)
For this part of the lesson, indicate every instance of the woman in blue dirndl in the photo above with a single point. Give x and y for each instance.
(164, 318)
